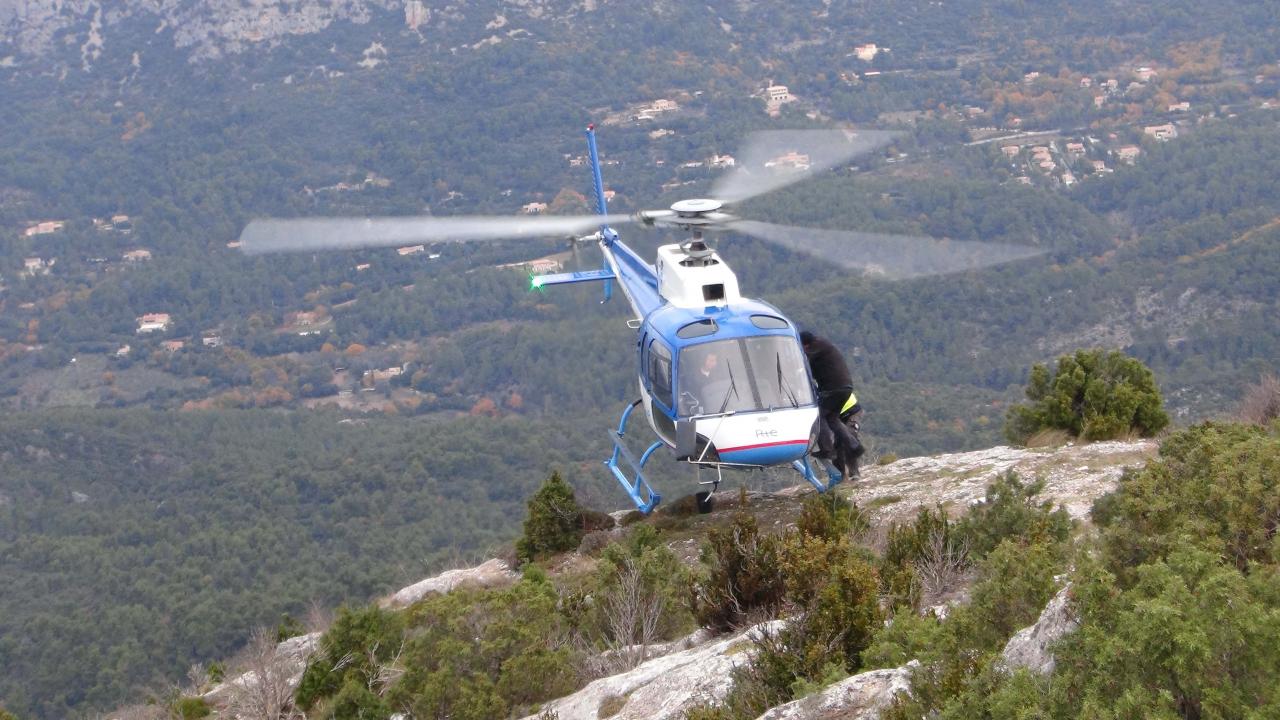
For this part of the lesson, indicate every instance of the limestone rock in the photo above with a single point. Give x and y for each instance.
(664, 688)
(1029, 647)
(1075, 476)
(858, 697)
(490, 573)
(289, 662)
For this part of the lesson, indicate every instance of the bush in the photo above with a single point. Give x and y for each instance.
(835, 591)
(184, 708)
(1192, 638)
(1094, 395)
(289, 627)
(830, 517)
(554, 523)
(475, 654)
(637, 597)
(1010, 511)
(1261, 402)
(1217, 484)
(743, 574)
(907, 546)
(356, 700)
(357, 643)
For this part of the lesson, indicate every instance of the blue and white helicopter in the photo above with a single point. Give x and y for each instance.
(723, 380)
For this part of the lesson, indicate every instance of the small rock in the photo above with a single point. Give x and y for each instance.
(487, 574)
(858, 697)
(1029, 647)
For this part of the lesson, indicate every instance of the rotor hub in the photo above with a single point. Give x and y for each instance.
(695, 207)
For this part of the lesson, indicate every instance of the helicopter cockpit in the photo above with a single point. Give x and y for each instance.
(746, 374)
(727, 385)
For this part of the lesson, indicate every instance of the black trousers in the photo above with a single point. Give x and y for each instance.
(834, 434)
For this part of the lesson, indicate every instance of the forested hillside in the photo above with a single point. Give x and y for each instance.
(136, 543)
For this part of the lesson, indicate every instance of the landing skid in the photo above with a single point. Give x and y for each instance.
(803, 466)
(644, 497)
(621, 452)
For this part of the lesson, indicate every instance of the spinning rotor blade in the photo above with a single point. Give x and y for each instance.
(897, 256)
(308, 234)
(776, 158)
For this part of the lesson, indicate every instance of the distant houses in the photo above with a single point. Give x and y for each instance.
(48, 227)
(33, 266)
(119, 222)
(789, 161)
(153, 322)
(775, 96)
(867, 52)
(1161, 132)
(721, 161)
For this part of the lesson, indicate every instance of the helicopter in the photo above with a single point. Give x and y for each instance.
(723, 381)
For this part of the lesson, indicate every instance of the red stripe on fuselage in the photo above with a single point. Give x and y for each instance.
(761, 445)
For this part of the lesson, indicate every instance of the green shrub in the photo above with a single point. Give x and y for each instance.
(289, 627)
(830, 517)
(1017, 580)
(355, 700)
(1179, 611)
(485, 653)
(1093, 394)
(1218, 484)
(1192, 638)
(184, 708)
(353, 646)
(1011, 511)
(743, 574)
(554, 523)
(907, 545)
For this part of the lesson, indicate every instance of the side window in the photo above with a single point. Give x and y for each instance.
(659, 373)
(644, 359)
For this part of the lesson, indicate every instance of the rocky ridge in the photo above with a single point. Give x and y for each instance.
(210, 29)
(697, 669)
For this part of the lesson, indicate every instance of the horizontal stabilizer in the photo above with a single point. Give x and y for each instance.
(540, 281)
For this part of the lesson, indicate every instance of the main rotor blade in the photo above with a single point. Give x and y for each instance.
(311, 234)
(776, 158)
(895, 256)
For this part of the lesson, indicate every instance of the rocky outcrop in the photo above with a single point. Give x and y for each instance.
(858, 697)
(209, 28)
(491, 573)
(662, 688)
(212, 28)
(1029, 647)
(270, 672)
(1075, 476)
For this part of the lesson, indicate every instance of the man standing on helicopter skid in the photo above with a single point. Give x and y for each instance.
(836, 401)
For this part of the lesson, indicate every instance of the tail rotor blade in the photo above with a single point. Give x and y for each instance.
(315, 234)
(773, 159)
(895, 256)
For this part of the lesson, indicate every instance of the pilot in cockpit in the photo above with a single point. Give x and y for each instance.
(707, 386)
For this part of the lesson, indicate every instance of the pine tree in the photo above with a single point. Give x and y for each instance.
(554, 523)
(1094, 395)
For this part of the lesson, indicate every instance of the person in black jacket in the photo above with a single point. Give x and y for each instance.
(835, 390)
